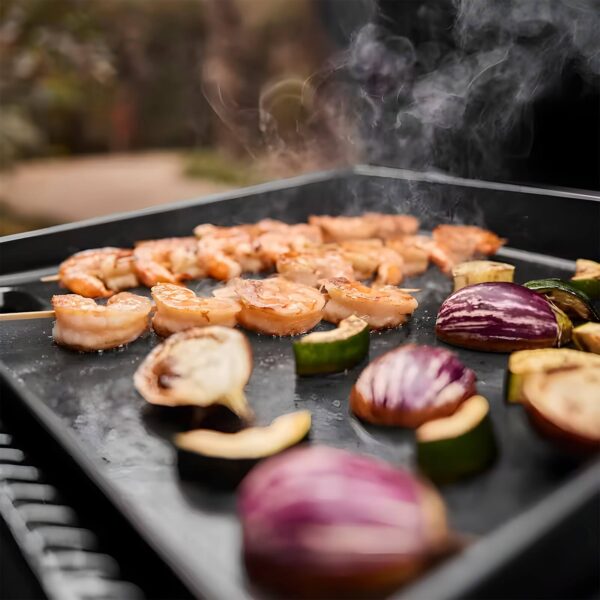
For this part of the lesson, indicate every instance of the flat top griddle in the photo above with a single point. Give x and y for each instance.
(92, 399)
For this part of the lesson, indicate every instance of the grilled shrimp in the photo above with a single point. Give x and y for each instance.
(390, 226)
(456, 243)
(275, 306)
(227, 252)
(169, 260)
(99, 272)
(310, 266)
(414, 249)
(281, 240)
(82, 324)
(371, 258)
(381, 307)
(337, 229)
(178, 309)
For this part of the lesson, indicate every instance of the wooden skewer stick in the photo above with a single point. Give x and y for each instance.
(48, 278)
(33, 314)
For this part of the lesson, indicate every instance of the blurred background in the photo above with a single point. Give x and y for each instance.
(113, 105)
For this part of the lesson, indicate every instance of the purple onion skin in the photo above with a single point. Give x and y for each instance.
(497, 317)
(320, 521)
(411, 385)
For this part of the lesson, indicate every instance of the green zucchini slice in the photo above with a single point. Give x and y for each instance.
(568, 298)
(481, 271)
(222, 459)
(459, 445)
(523, 362)
(587, 277)
(333, 351)
(587, 337)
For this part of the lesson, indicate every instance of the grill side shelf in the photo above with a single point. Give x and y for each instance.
(64, 557)
(43, 456)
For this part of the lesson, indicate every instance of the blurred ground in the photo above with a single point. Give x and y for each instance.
(61, 190)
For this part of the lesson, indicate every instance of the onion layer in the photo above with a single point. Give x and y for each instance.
(411, 385)
(324, 522)
(501, 317)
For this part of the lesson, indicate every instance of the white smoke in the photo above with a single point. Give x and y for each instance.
(452, 103)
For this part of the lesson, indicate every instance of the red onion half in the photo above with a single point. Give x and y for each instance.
(324, 522)
(411, 385)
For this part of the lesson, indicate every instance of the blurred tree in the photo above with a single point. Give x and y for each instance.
(79, 76)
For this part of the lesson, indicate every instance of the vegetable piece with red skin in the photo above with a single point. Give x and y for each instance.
(501, 317)
(323, 522)
(411, 385)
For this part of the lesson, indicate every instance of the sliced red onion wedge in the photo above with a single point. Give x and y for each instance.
(324, 522)
(501, 317)
(411, 385)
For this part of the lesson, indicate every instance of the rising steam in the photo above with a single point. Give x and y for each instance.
(452, 102)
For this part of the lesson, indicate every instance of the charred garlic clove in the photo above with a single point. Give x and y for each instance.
(200, 366)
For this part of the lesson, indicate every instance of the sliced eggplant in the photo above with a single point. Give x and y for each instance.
(501, 317)
(587, 277)
(524, 362)
(223, 459)
(459, 445)
(587, 337)
(333, 351)
(567, 297)
(481, 271)
(202, 367)
(564, 406)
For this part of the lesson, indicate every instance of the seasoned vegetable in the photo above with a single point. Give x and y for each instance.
(223, 459)
(524, 362)
(587, 277)
(200, 366)
(564, 406)
(568, 298)
(587, 337)
(459, 445)
(322, 522)
(501, 317)
(410, 385)
(333, 351)
(481, 271)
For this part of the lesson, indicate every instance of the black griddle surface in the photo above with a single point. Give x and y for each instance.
(93, 395)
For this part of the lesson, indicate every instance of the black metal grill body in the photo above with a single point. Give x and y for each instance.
(82, 410)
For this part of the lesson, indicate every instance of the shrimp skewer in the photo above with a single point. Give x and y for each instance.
(271, 245)
(83, 325)
(371, 258)
(179, 309)
(381, 307)
(369, 225)
(338, 229)
(309, 267)
(275, 306)
(168, 260)
(414, 250)
(453, 244)
(98, 273)
(227, 252)
(390, 226)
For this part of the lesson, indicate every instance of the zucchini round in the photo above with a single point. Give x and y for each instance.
(587, 277)
(524, 362)
(481, 271)
(222, 459)
(567, 297)
(459, 445)
(333, 351)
